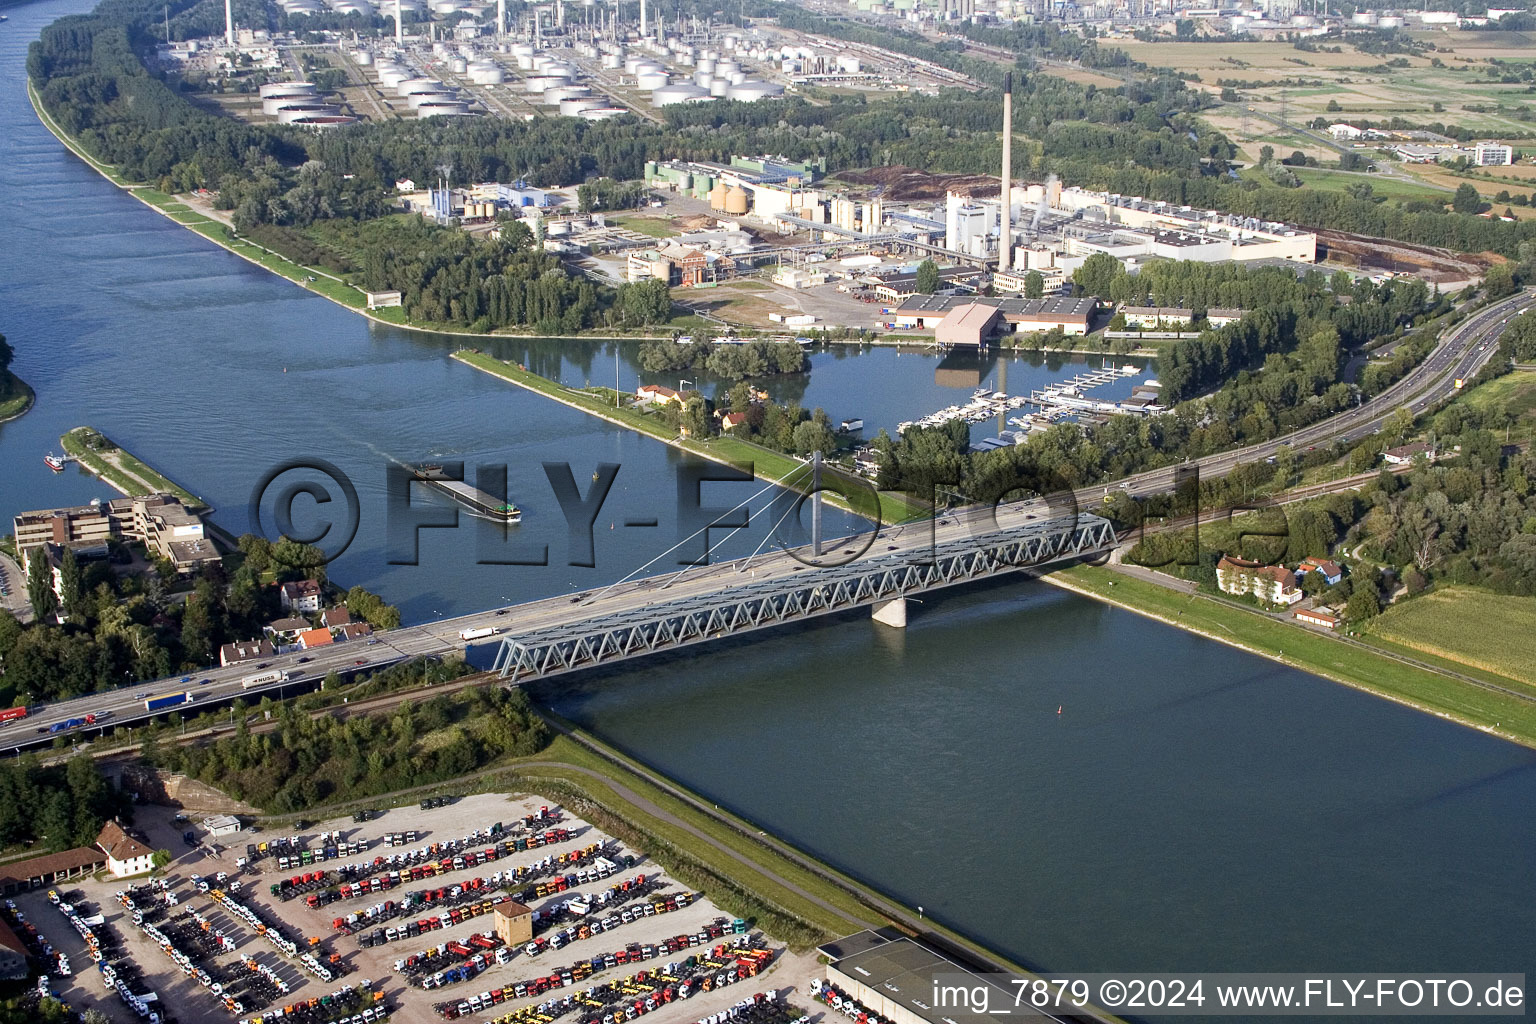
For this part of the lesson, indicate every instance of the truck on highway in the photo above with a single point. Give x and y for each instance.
(170, 700)
(13, 714)
(264, 679)
(478, 634)
(72, 723)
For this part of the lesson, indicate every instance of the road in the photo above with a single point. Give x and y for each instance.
(1460, 353)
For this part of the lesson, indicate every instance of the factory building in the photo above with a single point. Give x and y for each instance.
(1019, 316)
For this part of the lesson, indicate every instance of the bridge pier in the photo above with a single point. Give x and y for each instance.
(892, 613)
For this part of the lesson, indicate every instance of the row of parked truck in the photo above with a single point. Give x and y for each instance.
(353, 1004)
(628, 998)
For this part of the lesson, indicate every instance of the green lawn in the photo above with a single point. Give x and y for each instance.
(1319, 653)
(1381, 185)
(766, 463)
(655, 227)
(1515, 392)
(1473, 627)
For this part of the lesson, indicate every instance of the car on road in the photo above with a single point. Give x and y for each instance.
(361, 661)
(303, 659)
(264, 664)
(140, 694)
(204, 681)
(186, 679)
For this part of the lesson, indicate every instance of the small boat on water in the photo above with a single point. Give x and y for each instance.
(54, 462)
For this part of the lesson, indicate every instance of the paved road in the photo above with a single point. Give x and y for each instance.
(1459, 354)
(14, 581)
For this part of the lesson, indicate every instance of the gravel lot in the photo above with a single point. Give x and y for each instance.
(185, 999)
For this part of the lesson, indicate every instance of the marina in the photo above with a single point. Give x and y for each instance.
(1053, 403)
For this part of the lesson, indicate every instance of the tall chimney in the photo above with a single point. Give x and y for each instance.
(642, 19)
(399, 32)
(229, 24)
(1005, 240)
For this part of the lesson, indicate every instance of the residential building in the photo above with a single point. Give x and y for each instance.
(301, 596)
(158, 521)
(50, 869)
(656, 394)
(245, 650)
(1157, 318)
(284, 633)
(1224, 317)
(333, 618)
(354, 631)
(1405, 454)
(312, 638)
(1331, 572)
(1273, 584)
(1492, 154)
(1317, 617)
(126, 854)
(732, 420)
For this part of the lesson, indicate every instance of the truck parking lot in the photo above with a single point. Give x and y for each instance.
(394, 916)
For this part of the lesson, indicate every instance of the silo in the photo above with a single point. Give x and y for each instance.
(736, 201)
(717, 196)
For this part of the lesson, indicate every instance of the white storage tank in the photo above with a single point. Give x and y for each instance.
(459, 66)
(420, 85)
(751, 91)
(522, 49)
(1390, 21)
(682, 92)
(718, 86)
(524, 61)
(706, 65)
(290, 115)
(362, 57)
(651, 80)
(437, 109)
(273, 105)
(612, 61)
(559, 71)
(538, 83)
(444, 7)
(573, 107)
(602, 113)
(565, 92)
(287, 89)
(391, 79)
(487, 75)
(420, 99)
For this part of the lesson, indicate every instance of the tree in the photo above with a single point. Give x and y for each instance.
(1363, 604)
(1097, 274)
(160, 858)
(40, 584)
(6, 354)
(696, 417)
(927, 277)
(69, 584)
(10, 633)
(1034, 285)
(1467, 199)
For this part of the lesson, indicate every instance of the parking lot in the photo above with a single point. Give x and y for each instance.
(405, 929)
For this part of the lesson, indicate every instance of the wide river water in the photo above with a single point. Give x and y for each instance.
(1190, 808)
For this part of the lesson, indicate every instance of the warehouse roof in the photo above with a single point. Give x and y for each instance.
(904, 972)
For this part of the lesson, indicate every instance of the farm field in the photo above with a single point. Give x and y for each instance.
(1382, 185)
(1462, 624)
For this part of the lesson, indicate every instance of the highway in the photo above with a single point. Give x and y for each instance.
(1460, 353)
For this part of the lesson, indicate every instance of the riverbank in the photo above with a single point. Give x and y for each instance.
(121, 469)
(1493, 710)
(21, 399)
(767, 465)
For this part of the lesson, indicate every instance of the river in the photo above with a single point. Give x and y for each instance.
(1190, 807)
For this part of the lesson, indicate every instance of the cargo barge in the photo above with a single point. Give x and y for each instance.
(478, 502)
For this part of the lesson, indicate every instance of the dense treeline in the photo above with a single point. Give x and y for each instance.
(750, 361)
(307, 760)
(55, 806)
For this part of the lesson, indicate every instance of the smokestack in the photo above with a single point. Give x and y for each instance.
(1005, 241)
(501, 18)
(229, 24)
(399, 32)
(642, 19)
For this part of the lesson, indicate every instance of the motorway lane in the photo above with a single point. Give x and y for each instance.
(1460, 354)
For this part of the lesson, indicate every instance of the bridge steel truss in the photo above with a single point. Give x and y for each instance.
(663, 626)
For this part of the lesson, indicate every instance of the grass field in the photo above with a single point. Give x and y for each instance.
(18, 396)
(1513, 391)
(1487, 631)
(1333, 657)
(1392, 188)
(655, 227)
(123, 470)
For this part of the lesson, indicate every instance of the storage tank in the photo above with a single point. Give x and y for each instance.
(565, 92)
(573, 107)
(602, 113)
(436, 109)
(558, 228)
(555, 70)
(736, 77)
(1363, 18)
(362, 57)
(718, 86)
(273, 105)
(443, 7)
(417, 100)
(390, 80)
(411, 85)
(632, 62)
(752, 91)
(488, 76)
(1390, 21)
(651, 80)
(682, 92)
(287, 89)
(459, 66)
(326, 121)
(705, 66)
(539, 83)
(288, 115)
(522, 50)
(717, 196)
(736, 200)
(612, 61)
(354, 7)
